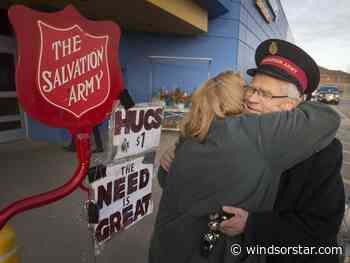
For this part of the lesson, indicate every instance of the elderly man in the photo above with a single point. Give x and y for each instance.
(309, 206)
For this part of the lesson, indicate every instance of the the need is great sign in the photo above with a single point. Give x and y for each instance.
(123, 197)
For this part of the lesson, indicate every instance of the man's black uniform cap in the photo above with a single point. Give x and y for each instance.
(286, 61)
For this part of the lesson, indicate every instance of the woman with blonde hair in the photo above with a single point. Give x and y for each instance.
(228, 157)
(219, 97)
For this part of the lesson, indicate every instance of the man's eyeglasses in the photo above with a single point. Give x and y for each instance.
(249, 91)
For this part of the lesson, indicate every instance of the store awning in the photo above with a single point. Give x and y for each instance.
(215, 8)
(185, 17)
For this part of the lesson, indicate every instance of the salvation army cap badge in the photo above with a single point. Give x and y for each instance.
(293, 64)
(273, 48)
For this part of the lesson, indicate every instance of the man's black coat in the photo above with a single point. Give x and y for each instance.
(308, 210)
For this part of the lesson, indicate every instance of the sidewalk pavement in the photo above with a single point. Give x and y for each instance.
(58, 232)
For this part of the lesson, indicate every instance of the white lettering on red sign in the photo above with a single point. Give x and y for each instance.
(73, 71)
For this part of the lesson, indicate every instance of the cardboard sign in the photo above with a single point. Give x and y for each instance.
(67, 73)
(137, 130)
(124, 197)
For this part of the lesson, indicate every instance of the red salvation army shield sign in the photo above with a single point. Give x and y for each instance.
(67, 73)
(76, 82)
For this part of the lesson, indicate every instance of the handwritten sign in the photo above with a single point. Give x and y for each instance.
(124, 197)
(137, 130)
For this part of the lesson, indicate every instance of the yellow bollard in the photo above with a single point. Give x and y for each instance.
(8, 246)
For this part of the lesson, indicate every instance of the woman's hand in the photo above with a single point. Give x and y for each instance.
(167, 158)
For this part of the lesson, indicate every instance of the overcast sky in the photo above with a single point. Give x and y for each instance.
(322, 28)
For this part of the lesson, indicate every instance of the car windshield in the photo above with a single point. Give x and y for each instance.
(328, 89)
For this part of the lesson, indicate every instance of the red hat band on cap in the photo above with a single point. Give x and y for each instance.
(289, 67)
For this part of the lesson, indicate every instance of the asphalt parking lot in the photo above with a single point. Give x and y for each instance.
(58, 232)
(344, 133)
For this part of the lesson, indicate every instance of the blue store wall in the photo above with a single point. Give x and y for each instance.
(253, 30)
(230, 43)
(220, 44)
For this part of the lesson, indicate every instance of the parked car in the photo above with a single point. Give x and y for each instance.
(314, 96)
(327, 94)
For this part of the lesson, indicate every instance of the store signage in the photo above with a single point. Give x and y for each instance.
(137, 130)
(68, 73)
(124, 197)
(274, 7)
(264, 10)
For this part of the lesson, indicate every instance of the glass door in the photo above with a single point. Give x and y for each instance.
(12, 125)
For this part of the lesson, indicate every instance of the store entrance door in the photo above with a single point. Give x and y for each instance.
(11, 118)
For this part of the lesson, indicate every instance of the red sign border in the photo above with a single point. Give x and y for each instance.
(25, 21)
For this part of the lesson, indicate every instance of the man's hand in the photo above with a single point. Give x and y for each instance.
(235, 225)
(167, 158)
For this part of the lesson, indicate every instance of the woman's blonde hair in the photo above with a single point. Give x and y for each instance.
(218, 97)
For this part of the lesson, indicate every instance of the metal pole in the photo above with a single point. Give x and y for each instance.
(151, 81)
(194, 59)
(209, 69)
(167, 58)
(90, 229)
(91, 235)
